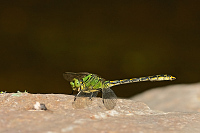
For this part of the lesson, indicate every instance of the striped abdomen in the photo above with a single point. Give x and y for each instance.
(148, 78)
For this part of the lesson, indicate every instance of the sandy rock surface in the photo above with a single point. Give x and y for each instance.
(17, 115)
(181, 98)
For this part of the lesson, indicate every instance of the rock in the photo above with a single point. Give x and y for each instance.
(18, 115)
(181, 98)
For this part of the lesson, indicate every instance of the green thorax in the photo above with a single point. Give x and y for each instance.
(89, 83)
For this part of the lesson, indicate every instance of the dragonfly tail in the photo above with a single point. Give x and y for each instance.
(147, 78)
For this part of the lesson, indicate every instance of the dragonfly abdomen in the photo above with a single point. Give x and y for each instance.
(161, 77)
(147, 78)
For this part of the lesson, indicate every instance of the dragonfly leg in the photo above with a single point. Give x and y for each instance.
(72, 92)
(91, 96)
(77, 95)
(75, 98)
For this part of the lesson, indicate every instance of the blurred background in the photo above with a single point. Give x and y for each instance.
(115, 39)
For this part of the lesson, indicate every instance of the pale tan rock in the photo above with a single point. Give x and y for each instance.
(17, 115)
(182, 98)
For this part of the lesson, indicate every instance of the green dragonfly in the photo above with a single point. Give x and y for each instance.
(88, 85)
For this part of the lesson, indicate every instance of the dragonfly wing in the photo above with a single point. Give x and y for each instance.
(69, 76)
(90, 95)
(109, 98)
(94, 94)
(82, 94)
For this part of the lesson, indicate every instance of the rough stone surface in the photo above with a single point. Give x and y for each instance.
(17, 115)
(181, 98)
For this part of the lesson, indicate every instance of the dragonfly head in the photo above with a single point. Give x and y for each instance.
(75, 84)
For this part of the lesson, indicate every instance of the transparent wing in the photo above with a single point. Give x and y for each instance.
(83, 99)
(69, 76)
(89, 95)
(109, 98)
(82, 94)
(94, 94)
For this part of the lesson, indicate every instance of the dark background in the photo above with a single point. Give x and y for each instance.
(115, 39)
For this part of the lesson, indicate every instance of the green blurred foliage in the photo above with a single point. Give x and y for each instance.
(114, 39)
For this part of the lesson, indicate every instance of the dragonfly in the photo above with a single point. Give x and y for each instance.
(88, 85)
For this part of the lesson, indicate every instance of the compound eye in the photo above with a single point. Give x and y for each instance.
(76, 83)
(72, 84)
